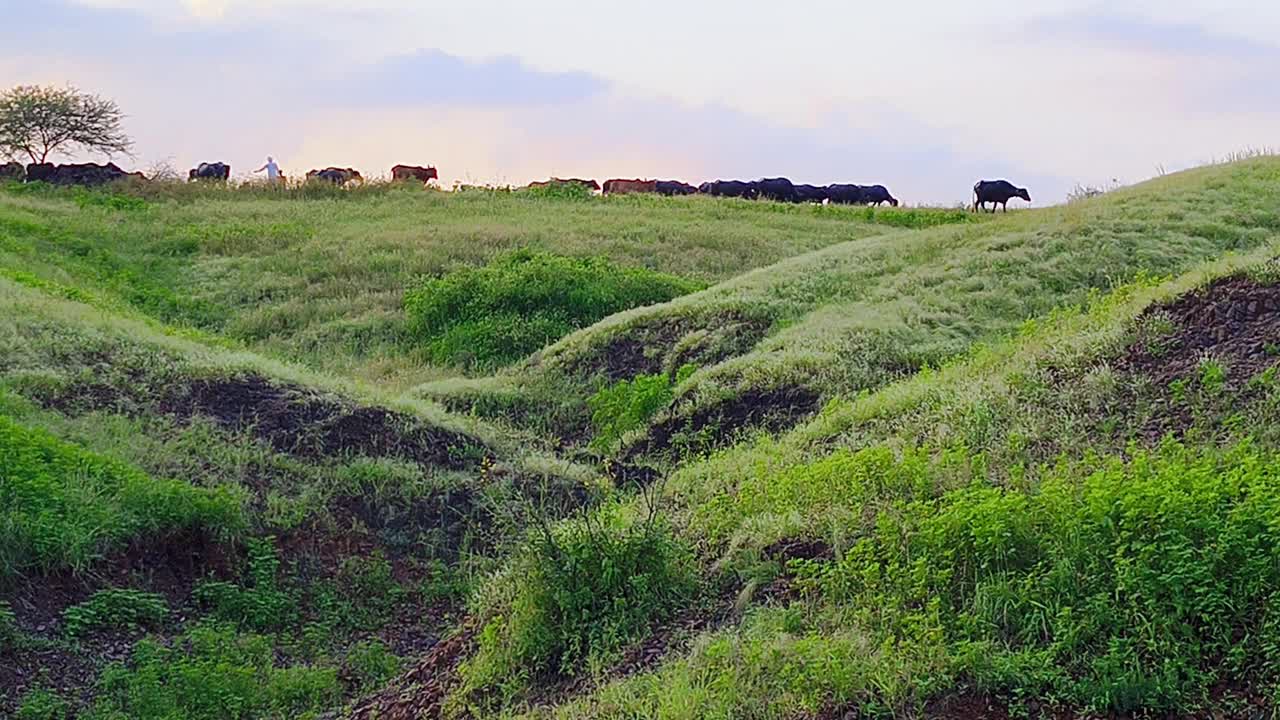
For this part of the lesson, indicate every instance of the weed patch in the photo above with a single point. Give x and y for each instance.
(115, 609)
(628, 404)
(63, 507)
(493, 315)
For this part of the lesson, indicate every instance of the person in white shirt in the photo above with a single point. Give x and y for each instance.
(273, 170)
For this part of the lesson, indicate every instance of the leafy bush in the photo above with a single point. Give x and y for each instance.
(43, 704)
(262, 605)
(212, 673)
(1113, 586)
(560, 191)
(628, 404)
(115, 608)
(494, 315)
(582, 593)
(64, 507)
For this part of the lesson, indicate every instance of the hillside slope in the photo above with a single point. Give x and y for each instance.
(290, 537)
(1078, 522)
(317, 275)
(776, 343)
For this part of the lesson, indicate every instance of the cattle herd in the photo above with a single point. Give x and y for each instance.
(986, 192)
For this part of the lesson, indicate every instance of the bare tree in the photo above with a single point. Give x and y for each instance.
(40, 121)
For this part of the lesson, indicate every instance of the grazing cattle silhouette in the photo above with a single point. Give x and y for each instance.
(997, 192)
(335, 175)
(13, 171)
(75, 173)
(673, 187)
(731, 188)
(876, 194)
(414, 172)
(844, 194)
(810, 193)
(210, 171)
(626, 187)
(780, 189)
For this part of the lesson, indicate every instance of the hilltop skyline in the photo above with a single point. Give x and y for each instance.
(512, 93)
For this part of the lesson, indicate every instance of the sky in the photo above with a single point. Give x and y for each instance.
(924, 96)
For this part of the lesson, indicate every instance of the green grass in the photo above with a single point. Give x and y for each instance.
(318, 275)
(494, 315)
(983, 504)
(859, 315)
(65, 508)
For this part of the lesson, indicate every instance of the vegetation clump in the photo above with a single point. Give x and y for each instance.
(491, 316)
(115, 608)
(582, 592)
(627, 405)
(64, 507)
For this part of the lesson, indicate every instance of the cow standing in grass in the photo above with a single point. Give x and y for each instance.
(778, 189)
(335, 175)
(414, 172)
(220, 172)
(674, 187)
(997, 192)
(876, 194)
(811, 193)
(731, 188)
(628, 187)
(13, 171)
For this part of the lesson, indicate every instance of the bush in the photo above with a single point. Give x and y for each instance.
(628, 404)
(1141, 586)
(490, 316)
(262, 605)
(43, 704)
(371, 665)
(582, 593)
(64, 507)
(212, 673)
(116, 608)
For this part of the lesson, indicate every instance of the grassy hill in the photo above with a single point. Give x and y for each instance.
(888, 464)
(318, 275)
(774, 344)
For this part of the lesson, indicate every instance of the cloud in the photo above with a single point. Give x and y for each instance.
(431, 76)
(1137, 34)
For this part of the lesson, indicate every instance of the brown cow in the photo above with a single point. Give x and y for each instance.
(414, 172)
(627, 187)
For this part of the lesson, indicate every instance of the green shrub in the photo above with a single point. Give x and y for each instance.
(628, 404)
(116, 608)
(1113, 586)
(370, 664)
(559, 191)
(493, 315)
(261, 605)
(43, 704)
(580, 596)
(64, 507)
(212, 673)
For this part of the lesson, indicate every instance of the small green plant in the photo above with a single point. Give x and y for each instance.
(1213, 376)
(9, 633)
(628, 404)
(112, 201)
(261, 605)
(212, 673)
(490, 316)
(116, 608)
(559, 191)
(583, 591)
(43, 704)
(370, 664)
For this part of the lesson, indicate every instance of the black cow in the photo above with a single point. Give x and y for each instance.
(876, 194)
(13, 171)
(997, 192)
(844, 194)
(210, 171)
(673, 187)
(731, 188)
(335, 175)
(779, 189)
(41, 172)
(81, 174)
(810, 193)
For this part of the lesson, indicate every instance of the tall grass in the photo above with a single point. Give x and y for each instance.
(64, 508)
